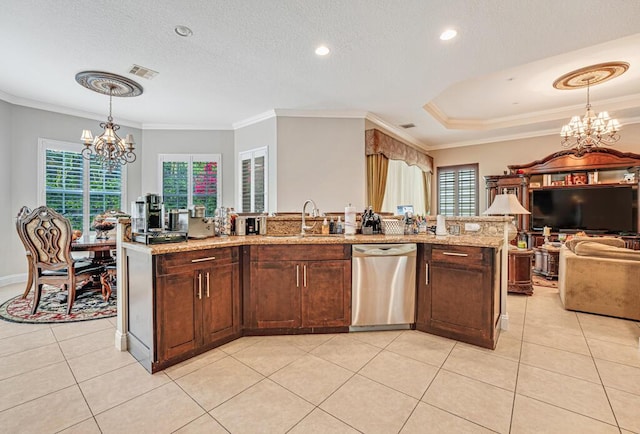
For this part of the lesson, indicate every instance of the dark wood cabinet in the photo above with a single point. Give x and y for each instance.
(458, 293)
(519, 272)
(197, 302)
(298, 287)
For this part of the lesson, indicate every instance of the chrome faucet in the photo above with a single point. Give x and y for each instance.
(314, 212)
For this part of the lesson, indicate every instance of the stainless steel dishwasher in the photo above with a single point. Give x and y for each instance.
(383, 285)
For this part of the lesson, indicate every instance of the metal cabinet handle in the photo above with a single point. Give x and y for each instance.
(209, 258)
(199, 286)
(455, 254)
(207, 284)
(426, 273)
(297, 276)
(304, 276)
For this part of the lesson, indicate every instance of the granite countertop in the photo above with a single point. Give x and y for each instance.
(230, 241)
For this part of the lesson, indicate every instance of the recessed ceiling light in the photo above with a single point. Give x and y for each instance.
(448, 34)
(183, 31)
(322, 50)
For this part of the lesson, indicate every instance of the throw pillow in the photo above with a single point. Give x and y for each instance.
(609, 241)
(587, 248)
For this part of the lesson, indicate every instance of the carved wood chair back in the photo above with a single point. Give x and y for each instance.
(48, 238)
(24, 211)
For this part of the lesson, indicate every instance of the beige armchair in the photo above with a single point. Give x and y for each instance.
(600, 278)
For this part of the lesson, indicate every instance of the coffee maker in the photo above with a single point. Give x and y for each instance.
(147, 215)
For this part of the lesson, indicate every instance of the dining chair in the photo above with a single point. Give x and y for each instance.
(48, 238)
(24, 211)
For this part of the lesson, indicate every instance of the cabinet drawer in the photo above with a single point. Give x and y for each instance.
(176, 262)
(460, 256)
(301, 252)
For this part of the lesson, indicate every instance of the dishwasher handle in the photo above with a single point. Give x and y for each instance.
(360, 250)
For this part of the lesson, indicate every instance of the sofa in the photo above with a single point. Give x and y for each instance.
(601, 276)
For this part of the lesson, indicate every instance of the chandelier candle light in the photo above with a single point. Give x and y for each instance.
(592, 130)
(109, 149)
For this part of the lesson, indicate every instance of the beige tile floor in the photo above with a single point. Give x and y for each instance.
(554, 371)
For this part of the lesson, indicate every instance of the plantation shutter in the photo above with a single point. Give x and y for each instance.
(458, 190)
(190, 179)
(253, 180)
(64, 175)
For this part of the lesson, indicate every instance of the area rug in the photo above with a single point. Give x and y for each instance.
(53, 307)
(541, 281)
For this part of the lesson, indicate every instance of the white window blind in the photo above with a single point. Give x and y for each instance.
(253, 180)
(77, 188)
(458, 190)
(191, 179)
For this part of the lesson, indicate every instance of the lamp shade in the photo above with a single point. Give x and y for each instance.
(504, 204)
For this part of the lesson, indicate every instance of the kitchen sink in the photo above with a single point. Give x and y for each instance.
(306, 236)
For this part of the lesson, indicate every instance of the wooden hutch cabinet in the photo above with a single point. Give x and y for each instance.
(603, 167)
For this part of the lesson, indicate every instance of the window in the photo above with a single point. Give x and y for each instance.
(405, 186)
(187, 180)
(77, 188)
(458, 190)
(253, 180)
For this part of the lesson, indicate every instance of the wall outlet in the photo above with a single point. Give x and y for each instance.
(471, 227)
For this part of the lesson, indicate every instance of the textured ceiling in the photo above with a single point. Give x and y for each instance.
(247, 57)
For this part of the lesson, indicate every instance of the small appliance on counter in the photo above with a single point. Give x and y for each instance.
(199, 225)
(147, 218)
(251, 224)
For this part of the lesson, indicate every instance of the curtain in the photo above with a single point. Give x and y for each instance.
(426, 182)
(405, 186)
(377, 167)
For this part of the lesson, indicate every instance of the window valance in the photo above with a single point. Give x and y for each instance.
(377, 142)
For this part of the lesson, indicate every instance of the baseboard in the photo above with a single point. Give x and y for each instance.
(504, 321)
(12, 278)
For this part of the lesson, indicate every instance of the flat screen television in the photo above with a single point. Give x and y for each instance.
(596, 209)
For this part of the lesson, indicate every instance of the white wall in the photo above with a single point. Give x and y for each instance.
(320, 159)
(6, 213)
(493, 158)
(26, 126)
(259, 135)
(188, 142)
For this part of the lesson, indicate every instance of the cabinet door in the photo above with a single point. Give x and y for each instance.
(276, 293)
(459, 299)
(220, 311)
(326, 293)
(176, 315)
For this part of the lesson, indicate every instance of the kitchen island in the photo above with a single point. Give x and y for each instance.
(187, 298)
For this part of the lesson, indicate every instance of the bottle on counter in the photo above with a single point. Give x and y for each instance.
(332, 226)
(325, 227)
(339, 226)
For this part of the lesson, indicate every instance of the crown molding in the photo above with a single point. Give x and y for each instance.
(254, 119)
(519, 136)
(373, 118)
(340, 114)
(25, 102)
(621, 103)
(193, 127)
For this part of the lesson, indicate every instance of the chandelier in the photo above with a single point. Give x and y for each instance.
(108, 148)
(592, 130)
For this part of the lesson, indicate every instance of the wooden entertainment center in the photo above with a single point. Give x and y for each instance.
(599, 166)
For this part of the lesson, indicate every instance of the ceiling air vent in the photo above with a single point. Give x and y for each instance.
(407, 126)
(143, 72)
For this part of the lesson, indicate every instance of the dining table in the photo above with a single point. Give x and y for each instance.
(99, 248)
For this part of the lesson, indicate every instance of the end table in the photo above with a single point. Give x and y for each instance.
(519, 276)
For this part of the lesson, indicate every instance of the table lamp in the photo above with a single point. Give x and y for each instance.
(505, 204)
